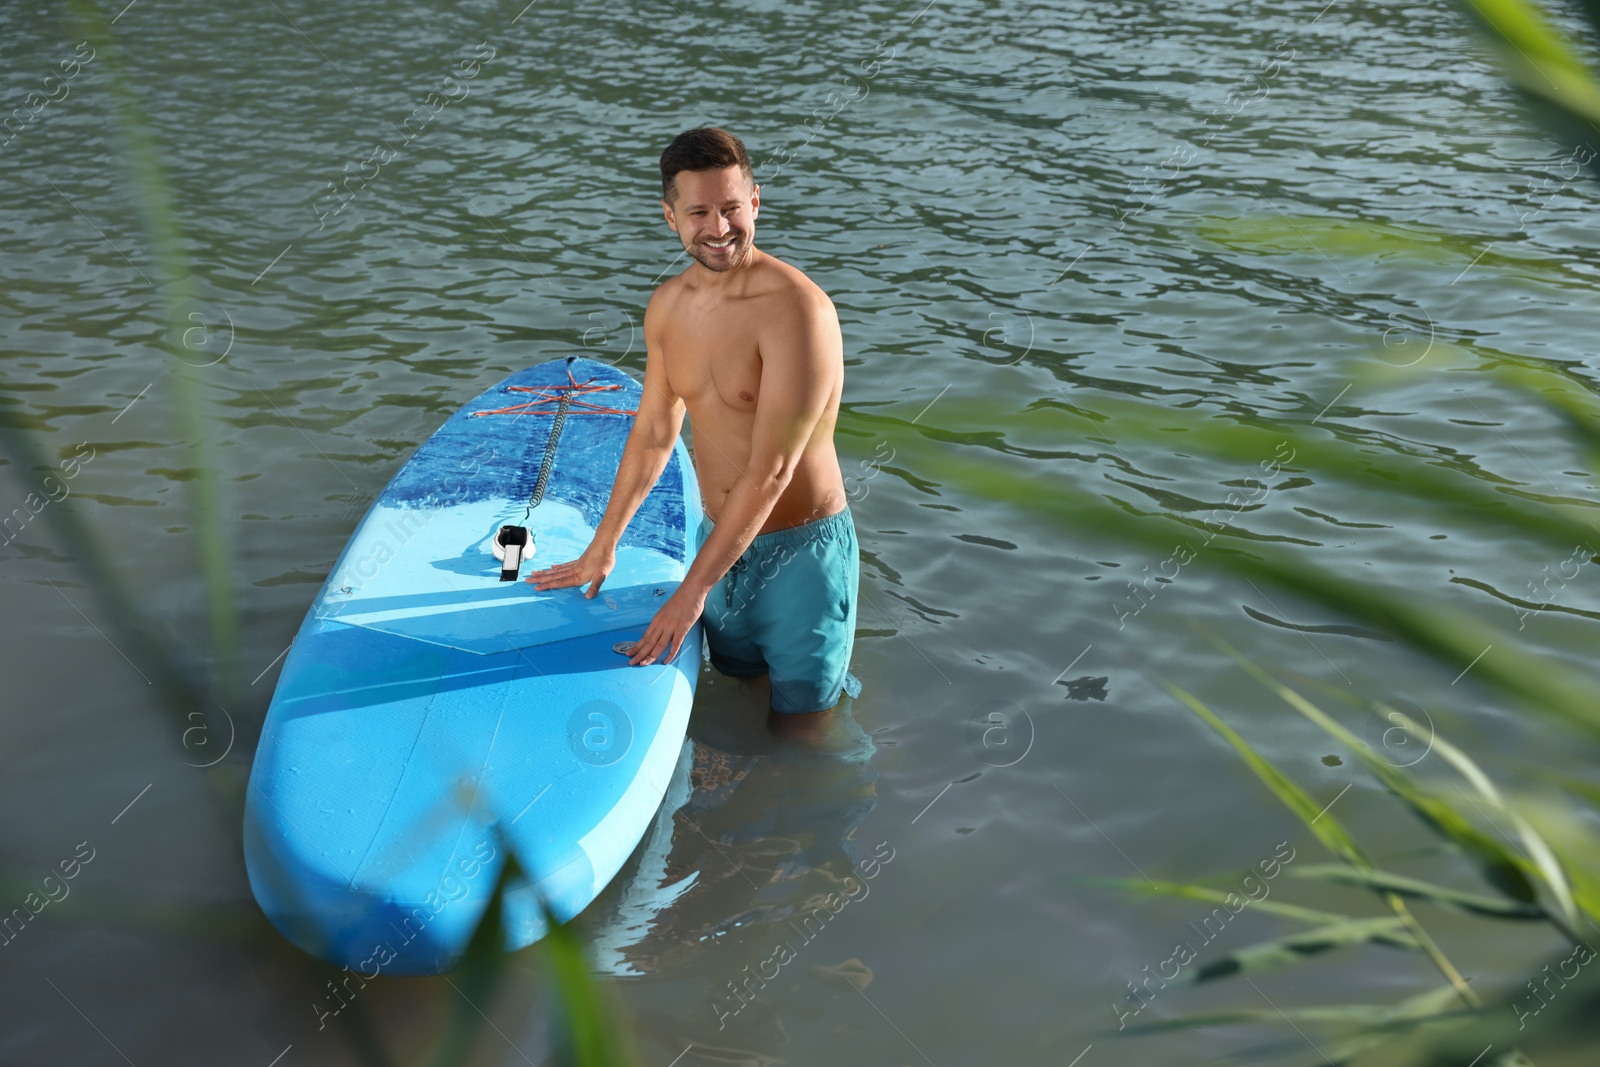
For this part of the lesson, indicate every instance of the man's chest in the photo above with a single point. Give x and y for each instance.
(713, 362)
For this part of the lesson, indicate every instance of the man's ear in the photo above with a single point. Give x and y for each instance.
(666, 210)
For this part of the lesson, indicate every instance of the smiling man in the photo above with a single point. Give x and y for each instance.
(750, 348)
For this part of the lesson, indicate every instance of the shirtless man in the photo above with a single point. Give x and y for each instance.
(751, 348)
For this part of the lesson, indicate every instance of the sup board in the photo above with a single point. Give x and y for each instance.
(431, 718)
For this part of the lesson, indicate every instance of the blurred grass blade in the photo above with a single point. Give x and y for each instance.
(1522, 1028)
(1386, 882)
(1378, 241)
(1432, 1007)
(1539, 852)
(1553, 80)
(1464, 492)
(152, 194)
(590, 1031)
(1577, 406)
(1434, 1004)
(1504, 868)
(1522, 27)
(1292, 948)
(1577, 844)
(1327, 829)
(1553, 867)
(352, 1016)
(1589, 792)
(136, 634)
(1140, 887)
(480, 968)
(1451, 639)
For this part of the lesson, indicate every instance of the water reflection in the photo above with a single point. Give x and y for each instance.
(753, 859)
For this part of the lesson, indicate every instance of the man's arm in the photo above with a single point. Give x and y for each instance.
(644, 457)
(800, 355)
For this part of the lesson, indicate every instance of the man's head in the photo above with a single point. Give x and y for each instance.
(709, 196)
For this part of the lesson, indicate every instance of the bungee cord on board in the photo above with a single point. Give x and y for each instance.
(514, 543)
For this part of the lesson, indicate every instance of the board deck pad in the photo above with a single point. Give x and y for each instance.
(431, 720)
(452, 598)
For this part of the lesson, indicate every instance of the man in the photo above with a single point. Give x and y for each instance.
(751, 348)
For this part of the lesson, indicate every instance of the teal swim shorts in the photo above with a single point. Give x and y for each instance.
(787, 609)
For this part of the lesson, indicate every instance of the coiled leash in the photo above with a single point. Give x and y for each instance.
(513, 544)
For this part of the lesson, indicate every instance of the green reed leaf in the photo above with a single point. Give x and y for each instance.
(1505, 869)
(1295, 947)
(1332, 834)
(158, 211)
(1431, 1005)
(1189, 891)
(479, 971)
(1553, 80)
(590, 1031)
(1387, 882)
(1452, 639)
(1540, 857)
(1327, 829)
(1578, 847)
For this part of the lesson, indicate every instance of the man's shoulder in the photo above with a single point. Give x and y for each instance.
(668, 290)
(789, 286)
(660, 308)
(775, 287)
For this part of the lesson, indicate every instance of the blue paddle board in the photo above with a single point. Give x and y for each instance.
(430, 717)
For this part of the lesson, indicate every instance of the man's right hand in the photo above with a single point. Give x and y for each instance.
(591, 569)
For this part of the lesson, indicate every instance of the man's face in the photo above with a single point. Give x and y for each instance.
(715, 216)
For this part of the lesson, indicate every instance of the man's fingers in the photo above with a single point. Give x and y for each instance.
(657, 646)
(553, 571)
(562, 575)
(653, 648)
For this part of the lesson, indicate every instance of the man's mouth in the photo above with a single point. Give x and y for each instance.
(726, 242)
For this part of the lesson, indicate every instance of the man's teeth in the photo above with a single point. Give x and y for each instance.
(719, 244)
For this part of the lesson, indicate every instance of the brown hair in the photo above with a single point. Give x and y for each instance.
(704, 148)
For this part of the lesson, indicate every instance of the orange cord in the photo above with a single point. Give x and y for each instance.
(532, 407)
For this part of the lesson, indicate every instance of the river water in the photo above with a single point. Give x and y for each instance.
(1008, 203)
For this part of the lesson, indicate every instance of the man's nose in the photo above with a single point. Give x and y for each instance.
(719, 225)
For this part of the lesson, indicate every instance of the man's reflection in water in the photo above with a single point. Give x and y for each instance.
(756, 837)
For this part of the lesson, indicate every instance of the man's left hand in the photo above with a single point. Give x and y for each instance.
(669, 628)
